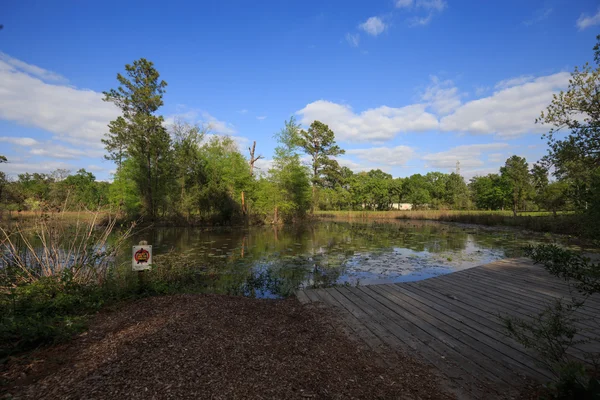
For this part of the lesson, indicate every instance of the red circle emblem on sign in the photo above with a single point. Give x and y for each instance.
(141, 256)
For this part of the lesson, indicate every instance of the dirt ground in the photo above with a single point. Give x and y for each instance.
(216, 347)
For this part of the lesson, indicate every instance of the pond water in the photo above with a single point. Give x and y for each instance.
(273, 261)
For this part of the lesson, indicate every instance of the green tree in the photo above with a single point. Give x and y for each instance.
(189, 167)
(416, 190)
(554, 196)
(285, 194)
(456, 193)
(141, 132)
(516, 173)
(489, 192)
(319, 143)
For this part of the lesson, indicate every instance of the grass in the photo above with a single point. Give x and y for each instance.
(564, 223)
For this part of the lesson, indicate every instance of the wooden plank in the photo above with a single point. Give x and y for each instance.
(431, 349)
(524, 292)
(359, 329)
(312, 296)
(549, 285)
(476, 330)
(365, 318)
(489, 347)
(509, 302)
(438, 339)
(302, 297)
(487, 302)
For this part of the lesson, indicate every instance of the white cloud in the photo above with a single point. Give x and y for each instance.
(373, 26)
(496, 157)
(508, 112)
(12, 169)
(33, 70)
(73, 115)
(19, 141)
(442, 96)
(539, 16)
(356, 167)
(353, 40)
(391, 156)
(262, 166)
(95, 168)
(481, 90)
(374, 125)
(469, 156)
(519, 80)
(420, 21)
(50, 149)
(203, 118)
(585, 21)
(63, 152)
(243, 111)
(404, 3)
(261, 117)
(435, 5)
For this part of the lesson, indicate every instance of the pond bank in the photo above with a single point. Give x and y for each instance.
(212, 346)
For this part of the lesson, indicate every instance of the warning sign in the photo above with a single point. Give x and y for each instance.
(142, 257)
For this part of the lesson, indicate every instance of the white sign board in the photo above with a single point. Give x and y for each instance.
(141, 257)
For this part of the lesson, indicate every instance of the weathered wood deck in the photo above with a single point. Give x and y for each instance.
(452, 322)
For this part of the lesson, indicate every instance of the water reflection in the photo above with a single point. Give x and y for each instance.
(274, 261)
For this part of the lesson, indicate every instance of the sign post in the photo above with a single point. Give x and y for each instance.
(141, 256)
(141, 259)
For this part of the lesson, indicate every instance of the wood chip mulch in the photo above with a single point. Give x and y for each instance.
(216, 347)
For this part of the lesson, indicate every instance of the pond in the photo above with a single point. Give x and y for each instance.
(273, 261)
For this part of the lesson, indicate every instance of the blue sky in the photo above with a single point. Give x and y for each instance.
(408, 86)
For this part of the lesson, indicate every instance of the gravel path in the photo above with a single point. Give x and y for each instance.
(216, 347)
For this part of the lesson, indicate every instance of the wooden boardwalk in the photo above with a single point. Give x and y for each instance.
(452, 322)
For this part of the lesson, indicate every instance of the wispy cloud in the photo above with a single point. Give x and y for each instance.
(519, 80)
(32, 70)
(28, 100)
(420, 21)
(261, 117)
(585, 20)
(431, 7)
(539, 16)
(353, 40)
(404, 3)
(243, 111)
(436, 5)
(373, 26)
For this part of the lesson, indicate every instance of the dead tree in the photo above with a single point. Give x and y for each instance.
(253, 159)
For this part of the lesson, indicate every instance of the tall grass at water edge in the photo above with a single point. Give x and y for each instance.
(563, 223)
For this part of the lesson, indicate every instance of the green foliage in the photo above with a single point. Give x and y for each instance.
(516, 174)
(554, 331)
(139, 135)
(319, 143)
(285, 194)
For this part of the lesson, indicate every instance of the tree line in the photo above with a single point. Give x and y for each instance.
(182, 172)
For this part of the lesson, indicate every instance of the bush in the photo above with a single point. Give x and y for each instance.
(553, 332)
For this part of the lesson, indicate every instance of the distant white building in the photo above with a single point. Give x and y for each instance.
(401, 206)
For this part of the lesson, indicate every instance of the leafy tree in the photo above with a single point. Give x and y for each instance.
(141, 132)
(516, 173)
(123, 194)
(574, 135)
(489, 192)
(416, 190)
(285, 194)
(83, 189)
(319, 143)
(554, 197)
(189, 168)
(456, 192)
